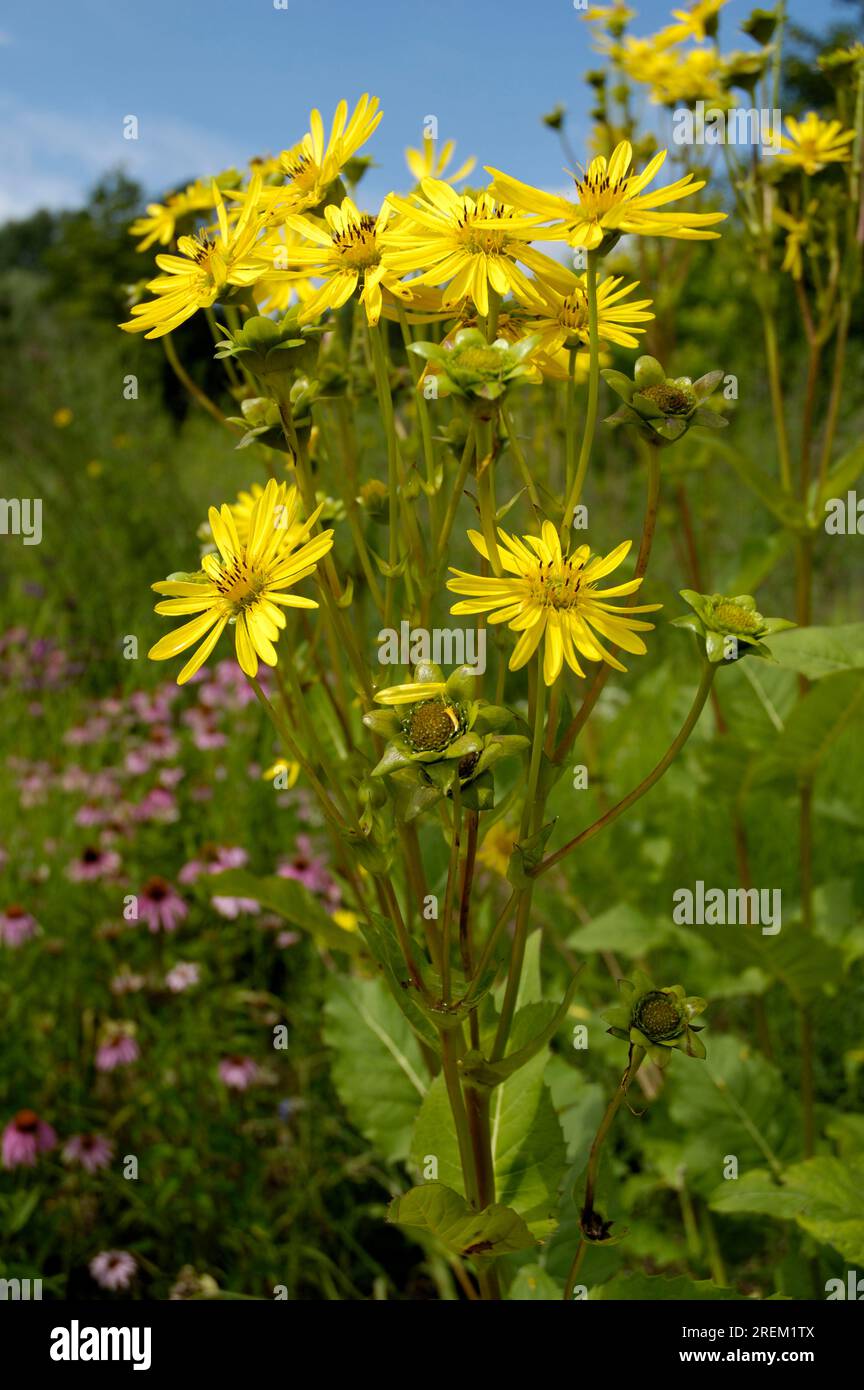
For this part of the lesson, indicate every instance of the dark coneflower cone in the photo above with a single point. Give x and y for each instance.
(431, 726)
(672, 400)
(658, 1016)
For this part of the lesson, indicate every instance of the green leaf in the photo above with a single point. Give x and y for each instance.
(380, 937)
(812, 728)
(580, 1105)
(816, 652)
(487, 1073)
(655, 1288)
(443, 1213)
(735, 1102)
(787, 509)
(823, 1195)
(801, 961)
(527, 1145)
(533, 1285)
(621, 928)
(838, 481)
(292, 901)
(378, 1068)
(527, 854)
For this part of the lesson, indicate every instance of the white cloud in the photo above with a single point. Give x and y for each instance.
(51, 159)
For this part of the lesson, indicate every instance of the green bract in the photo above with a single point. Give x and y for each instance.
(656, 1019)
(662, 408)
(730, 627)
(274, 351)
(442, 733)
(470, 366)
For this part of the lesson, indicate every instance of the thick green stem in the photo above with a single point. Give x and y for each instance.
(532, 813)
(574, 486)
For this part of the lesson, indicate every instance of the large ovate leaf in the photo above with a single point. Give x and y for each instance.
(443, 1213)
(816, 652)
(654, 1288)
(622, 928)
(378, 1067)
(527, 1145)
(380, 937)
(534, 1285)
(813, 727)
(823, 1195)
(800, 960)
(734, 1103)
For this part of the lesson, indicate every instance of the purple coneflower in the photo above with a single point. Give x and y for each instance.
(92, 1151)
(182, 976)
(93, 863)
(309, 869)
(213, 859)
(238, 1073)
(16, 925)
(113, 1269)
(160, 905)
(24, 1137)
(118, 1047)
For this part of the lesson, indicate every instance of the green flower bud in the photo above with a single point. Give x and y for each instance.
(730, 627)
(662, 408)
(470, 366)
(657, 1020)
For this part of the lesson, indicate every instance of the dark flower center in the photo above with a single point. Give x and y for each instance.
(431, 726)
(670, 399)
(657, 1016)
(26, 1121)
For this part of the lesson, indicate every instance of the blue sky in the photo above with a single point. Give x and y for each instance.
(214, 81)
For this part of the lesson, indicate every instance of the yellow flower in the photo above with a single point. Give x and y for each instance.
(564, 322)
(411, 693)
(813, 143)
(344, 918)
(610, 203)
(202, 272)
(497, 847)
(678, 77)
(699, 22)
(289, 772)
(244, 584)
(466, 244)
(312, 165)
(554, 597)
(62, 417)
(162, 218)
(285, 517)
(347, 253)
(797, 229)
(275, 292)
(430, 164)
